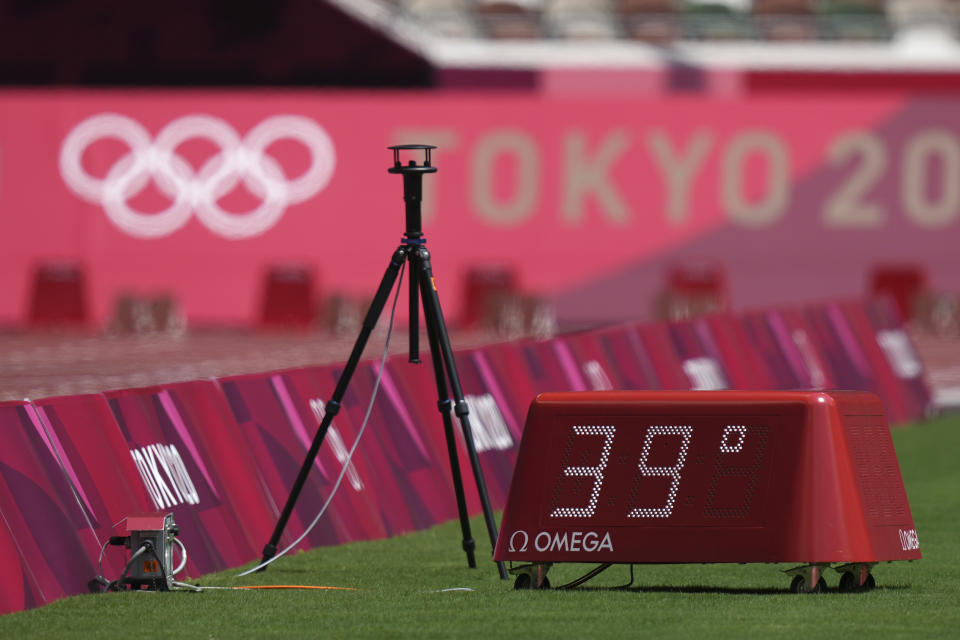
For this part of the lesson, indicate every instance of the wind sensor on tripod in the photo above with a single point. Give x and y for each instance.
(423, 288)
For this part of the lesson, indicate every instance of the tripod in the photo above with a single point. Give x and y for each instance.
(421, 286)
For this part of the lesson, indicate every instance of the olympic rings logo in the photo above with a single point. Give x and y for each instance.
(197, 191)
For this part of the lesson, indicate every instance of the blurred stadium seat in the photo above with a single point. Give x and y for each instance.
(691, 290)
(342, 315)
(905, 283)
(664, 21)
(653, 21)
(516, 19)
(785, 20)
(449, 18)
(579, 19)
(58, 296)
(136, 314)
(289, 297)
(488, 293)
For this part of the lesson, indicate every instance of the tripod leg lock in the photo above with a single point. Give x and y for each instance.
(444, 406)
(461, 409)
(332, 408)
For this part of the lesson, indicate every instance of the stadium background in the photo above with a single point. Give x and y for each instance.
(600, 162)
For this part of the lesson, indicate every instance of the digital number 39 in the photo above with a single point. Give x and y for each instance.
(608, 432)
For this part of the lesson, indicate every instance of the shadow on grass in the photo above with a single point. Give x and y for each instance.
(732, 591)
(689, 589)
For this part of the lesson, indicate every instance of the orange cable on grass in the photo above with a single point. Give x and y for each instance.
(296, 586)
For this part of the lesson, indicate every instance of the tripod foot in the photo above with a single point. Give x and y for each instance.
(269, 550)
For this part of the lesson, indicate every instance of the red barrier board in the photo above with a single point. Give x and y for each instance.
(736, 476)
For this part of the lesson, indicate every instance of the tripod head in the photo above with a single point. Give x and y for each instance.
(412, 186)
(413, 238)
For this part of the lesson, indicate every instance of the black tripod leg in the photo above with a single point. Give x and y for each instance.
(414, 287)
(446, 406)
(333, 406)
(431, 309)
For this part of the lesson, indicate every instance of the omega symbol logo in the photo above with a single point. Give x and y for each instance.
(518, 541)
(237, 160)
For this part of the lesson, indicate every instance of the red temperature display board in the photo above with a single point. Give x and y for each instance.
(708, 476)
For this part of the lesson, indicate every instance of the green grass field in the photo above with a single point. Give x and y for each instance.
(400, 589)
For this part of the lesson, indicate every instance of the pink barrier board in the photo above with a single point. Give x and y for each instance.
(178, 476)
(215, 438)
(891, 356)
(784, 349)
(100, 467)
(612, 358)
(48, 549)
(669, 363)
(843, 345)
(727, 340)
(504, 367)
(840, 350)
(181, 475)
(393, 484)
(410, 451)
(277, 433)
(496, 426)
(552, 366)
(799, 343)
(627, 356)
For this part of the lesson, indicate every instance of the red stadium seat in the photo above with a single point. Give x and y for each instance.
(58, 297)
(693, 289)
(288, 298)
(904, 282)
(487, 291)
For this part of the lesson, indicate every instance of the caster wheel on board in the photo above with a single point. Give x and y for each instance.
(799, 585)
(525, 581)
(848, 583)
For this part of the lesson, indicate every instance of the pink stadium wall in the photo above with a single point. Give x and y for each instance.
(590, 201)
